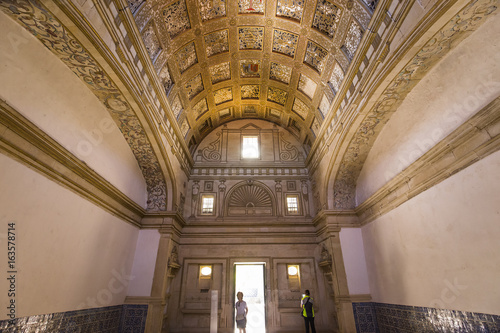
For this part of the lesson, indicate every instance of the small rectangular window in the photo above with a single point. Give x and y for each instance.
(292, 204)
(207, 205)
(250, 147)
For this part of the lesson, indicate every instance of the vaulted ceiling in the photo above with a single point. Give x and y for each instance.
(279, 60)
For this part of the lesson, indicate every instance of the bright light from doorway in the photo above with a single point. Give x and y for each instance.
(250, 281)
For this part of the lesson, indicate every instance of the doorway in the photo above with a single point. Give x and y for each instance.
(249, 279)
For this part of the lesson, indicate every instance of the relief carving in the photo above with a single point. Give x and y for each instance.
(250, 198)
(288, 152)
(213, 151)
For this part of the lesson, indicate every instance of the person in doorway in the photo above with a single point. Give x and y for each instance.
(308, 311)
(241, 313)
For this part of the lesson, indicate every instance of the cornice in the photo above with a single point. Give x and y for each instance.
(469, 143)
(24, 141)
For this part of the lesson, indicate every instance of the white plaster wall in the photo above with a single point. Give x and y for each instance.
(353, 253)
(144, 263)
(70, 254)
(43, 89)
(440, 249)
(466, 80)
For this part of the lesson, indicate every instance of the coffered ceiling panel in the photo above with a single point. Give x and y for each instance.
(280, 60)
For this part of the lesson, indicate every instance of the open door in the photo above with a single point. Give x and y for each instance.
(249, 280)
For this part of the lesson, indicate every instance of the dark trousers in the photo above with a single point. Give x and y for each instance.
(308, 321)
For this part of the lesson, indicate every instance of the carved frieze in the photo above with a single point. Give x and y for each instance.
(455, 30)
(35, 18)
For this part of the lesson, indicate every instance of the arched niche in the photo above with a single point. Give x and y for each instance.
(250, 198)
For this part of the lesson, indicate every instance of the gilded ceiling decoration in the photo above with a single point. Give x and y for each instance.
(186, 57)
(220, 72)
(326, 17)
(36, 19)
(336, 78)
(264, 53)
(152, 43)
(285, 42)
(300, 108)
(217, 42)
(194, 86)
(250, 91)
(250, 68)
(251, 38)
(277, 95)
(324, 105)
(223, 95)
(251, 6)
(200, 108)
(212, 9)
(307, 86)
(176, 19)
(280, 72)
(176, 106)
(291, 9)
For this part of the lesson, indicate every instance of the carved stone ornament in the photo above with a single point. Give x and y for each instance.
(173, 262)
(326, 260)
(35, 18)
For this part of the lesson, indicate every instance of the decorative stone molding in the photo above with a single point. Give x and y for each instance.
(472, 141)
(458, 28)
(29, 145)
(250, 198)
(40, 22)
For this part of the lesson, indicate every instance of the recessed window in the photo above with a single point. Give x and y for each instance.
(293, 270)
(250, 147)
(293, 277)
(207, 204)
(292, 204)
(206, 271)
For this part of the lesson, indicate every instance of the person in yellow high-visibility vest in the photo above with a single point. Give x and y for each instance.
(308, 311)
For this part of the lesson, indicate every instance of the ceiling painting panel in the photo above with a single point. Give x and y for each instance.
(307, 86)
(251, 38)
(176, 18)
(326, 18)
(217, 42)
(336, 78)
(186, 57)
(250, 91)
(223, 95)
(300, 108)
(291, 9)
(194, 86)
(277, 95)
(280, 72)
(250, 68)
(251, 6)
(151, 41)
(220, 72)
(212, 9)
(285, 42)
(352, 39)
(200, 108)
(176, 106)
(324, 105)
(315, 56)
